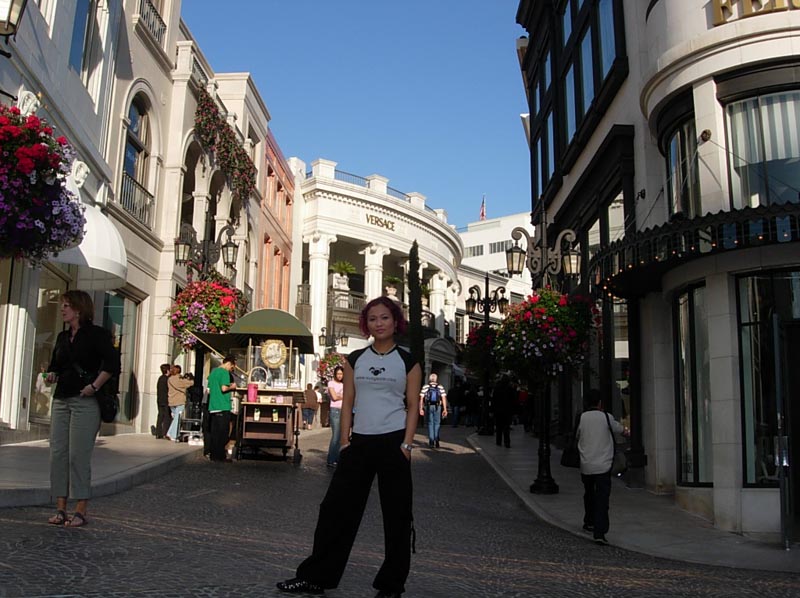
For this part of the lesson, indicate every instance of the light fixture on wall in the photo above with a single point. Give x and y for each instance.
(203, 255)
(332, 340)
(11, 12)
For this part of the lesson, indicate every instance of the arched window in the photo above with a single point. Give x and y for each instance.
(137, 145)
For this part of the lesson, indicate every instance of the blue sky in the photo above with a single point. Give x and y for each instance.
(427, 93)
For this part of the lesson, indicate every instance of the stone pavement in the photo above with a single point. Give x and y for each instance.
(640, 521)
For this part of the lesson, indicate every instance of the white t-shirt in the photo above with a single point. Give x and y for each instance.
(595, 443)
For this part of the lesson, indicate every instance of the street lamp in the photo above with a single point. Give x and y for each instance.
(203, 255)
(332, 340)
(489, 303)
(541, 259)
(11, 12)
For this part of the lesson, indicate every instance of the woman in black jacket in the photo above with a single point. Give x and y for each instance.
(84, 359)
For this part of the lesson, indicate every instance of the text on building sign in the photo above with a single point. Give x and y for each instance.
(380, 222)
(724, 11)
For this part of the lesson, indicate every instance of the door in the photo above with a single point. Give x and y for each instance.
(790, 349)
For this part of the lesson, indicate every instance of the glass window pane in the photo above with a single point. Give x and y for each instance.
(569, 101)
(607, 37)
(616, 219)
(546, 76)
(567, 22)
(120, 317)
(702, 389)
(687, 465)
(780, 119)
(551, 151)
(587, 71)
(79, 29)
(746, 159)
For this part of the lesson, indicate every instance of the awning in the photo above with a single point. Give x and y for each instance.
(101, 257)
(261, 325)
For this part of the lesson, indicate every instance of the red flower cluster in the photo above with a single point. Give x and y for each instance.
(327, 364)
(205, 306)
(38, 216)
(478, 351)
(544, 334)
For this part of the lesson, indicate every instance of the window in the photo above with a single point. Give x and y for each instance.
(587, 72)
(82, 29)
(695, 456)
(566, 22)
(500, 246)
(683, 186)
(137, 142)
(764, 142)
(760, 297)
(608, 52)
(474, 251)
(569, 102)
(120, 316)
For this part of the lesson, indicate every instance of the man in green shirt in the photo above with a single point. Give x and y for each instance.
(220, 386)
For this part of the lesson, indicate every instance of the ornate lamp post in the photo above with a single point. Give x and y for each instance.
(545, 261)
(489, 303)
(203, 255)
(332, 340)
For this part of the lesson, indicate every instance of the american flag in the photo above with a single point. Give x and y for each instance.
(482, 215)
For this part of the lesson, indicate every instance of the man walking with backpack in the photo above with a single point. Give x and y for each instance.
(433, 404)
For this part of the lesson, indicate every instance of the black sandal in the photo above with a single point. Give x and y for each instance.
(77, 520)
(60, 518)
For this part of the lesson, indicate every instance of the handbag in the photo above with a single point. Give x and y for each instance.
(570, 457)
(107, 401)
(619, 464)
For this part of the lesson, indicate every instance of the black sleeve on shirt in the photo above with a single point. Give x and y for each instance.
(407, 359)
(353, 357)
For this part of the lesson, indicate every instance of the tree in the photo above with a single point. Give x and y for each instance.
(415, 332)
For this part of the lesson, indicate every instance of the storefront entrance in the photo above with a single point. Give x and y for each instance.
(791, 345)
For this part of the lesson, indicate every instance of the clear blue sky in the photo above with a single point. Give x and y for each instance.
(427, 93)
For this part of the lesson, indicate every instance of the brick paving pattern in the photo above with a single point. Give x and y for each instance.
(222, 530)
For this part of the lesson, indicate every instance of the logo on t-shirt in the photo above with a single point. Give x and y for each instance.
(376, 371)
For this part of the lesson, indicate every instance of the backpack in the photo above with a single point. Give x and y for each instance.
(433, 396)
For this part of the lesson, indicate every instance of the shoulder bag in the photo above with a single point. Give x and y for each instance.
(620, 463)
(107, 401)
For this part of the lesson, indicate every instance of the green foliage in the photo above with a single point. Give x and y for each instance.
(390, 280)
(343, 267)
(478, 356)
(215, 135)
(415, 332)
(545, 334)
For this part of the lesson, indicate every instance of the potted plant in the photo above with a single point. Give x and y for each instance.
(391, 283)
(341, 270)
(425, 293)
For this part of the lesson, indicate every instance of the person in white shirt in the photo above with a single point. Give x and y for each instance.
(596, 448)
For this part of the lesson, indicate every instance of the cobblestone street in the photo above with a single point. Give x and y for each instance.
(235, 529)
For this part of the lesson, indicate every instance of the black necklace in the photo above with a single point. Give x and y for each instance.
(389, 350)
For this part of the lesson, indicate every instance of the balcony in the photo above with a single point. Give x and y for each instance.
(136, 200)
(152, 21)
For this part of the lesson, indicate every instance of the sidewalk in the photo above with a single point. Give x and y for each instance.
(118, 463)
(640, 521)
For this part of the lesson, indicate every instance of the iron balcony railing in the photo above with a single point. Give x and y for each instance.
(136, 200)
(152, 20)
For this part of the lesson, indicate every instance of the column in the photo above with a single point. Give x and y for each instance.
(319, 253)
(373, 270)
(220, 222)
(438, 286)
(199, 213)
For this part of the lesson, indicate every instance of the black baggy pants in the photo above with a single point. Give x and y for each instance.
(220, 432)
(343, 506)
(596, 493)
(163, 420)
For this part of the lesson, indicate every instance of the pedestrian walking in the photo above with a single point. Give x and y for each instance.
(84, 359)
(220, 386)
(596, 448)
(336, 394)
(455, 401)
(163, 419)
(381, 384)
(311, 396)
(503, 399)
(178, 385)
(433, 405)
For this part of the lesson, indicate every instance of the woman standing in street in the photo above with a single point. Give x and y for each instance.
(311, 396)
(336, 393)
(382, 384)
(83, 360)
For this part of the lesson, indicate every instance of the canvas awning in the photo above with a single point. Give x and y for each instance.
(261, 325)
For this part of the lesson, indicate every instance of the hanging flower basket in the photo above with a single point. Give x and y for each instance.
(39, 217)
(327, 364)
(545, 334)
(205, 306)
(215, 135)
(478, 357)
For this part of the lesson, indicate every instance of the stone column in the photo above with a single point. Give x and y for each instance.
(199, 213)
(373, 270)
(438, 286)
(319, 253)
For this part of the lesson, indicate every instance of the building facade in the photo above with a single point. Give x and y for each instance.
(666, 135)
(127, 84)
